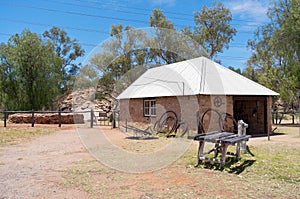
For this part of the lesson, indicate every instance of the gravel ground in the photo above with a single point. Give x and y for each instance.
(33, 169)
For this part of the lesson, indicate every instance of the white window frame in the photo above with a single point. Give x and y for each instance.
(150, 107)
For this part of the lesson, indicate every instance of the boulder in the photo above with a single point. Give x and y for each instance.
(83, 100)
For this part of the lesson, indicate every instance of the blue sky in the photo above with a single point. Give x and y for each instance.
(89, 20)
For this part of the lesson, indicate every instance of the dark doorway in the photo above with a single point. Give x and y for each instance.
(253, 111)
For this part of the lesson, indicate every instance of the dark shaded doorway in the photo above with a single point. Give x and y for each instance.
(253, 111)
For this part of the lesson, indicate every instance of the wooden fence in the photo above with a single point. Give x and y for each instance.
(100, 119)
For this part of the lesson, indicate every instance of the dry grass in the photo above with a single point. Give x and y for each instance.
(274, 172)
(12, 136)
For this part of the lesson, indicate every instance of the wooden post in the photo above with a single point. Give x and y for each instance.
(59, 118)
(119, 119)
(114, 120)
(200, 152)
(5, 116)
(32, 119)
(92, 118)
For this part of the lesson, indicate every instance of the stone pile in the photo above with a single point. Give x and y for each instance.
(53, 118)
(81, 100)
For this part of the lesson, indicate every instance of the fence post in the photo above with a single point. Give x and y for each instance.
(114, 119)
(59, 118)
(32, 119)
(5, 118)
(118, 119)
(92, 118)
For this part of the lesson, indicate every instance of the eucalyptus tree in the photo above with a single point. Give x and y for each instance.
(29, 72)
(213, 30)
(276, 50)
(121, 53)
(68, 50)
(164, 39)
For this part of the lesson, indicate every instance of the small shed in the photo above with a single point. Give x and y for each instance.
(189, 87)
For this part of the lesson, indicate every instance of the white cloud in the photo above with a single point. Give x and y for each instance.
(164, 2)
(253, 10)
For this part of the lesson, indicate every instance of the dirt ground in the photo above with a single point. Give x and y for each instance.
(33, 169)
(59, 166)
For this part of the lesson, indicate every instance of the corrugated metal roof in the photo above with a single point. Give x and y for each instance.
(192, 77)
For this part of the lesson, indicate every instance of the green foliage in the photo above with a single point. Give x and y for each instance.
(251, 73)
(213, 30)
(238, 70)
(88, 77)
(68, 50)
(164, 39)
(159, 20)
(276, 50)
(120, 54)
(35, 69)
(130, 47)
(29, 72)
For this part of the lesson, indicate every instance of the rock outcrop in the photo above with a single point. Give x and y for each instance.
(81, 100)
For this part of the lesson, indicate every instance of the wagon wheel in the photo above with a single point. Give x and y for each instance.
(182, 128)
(169, 125)
(209, 112)
(157, 127)
(159, 124)
(229, 123)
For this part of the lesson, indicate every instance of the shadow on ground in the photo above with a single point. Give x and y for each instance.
(232, 165)
(141, 138)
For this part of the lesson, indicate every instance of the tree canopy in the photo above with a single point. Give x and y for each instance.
(68, 50)
(129, 47)
(35, 69)
(213, 30)
(276, 50)
(29, 72)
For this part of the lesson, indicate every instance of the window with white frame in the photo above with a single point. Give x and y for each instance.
(149, 107)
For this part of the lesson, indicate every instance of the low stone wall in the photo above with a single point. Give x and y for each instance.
(51, 118)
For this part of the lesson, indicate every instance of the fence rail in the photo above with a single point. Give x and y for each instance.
(101, 119)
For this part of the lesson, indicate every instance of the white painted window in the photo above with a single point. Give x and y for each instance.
(150, 107)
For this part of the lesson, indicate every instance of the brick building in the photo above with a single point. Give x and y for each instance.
(192, 86)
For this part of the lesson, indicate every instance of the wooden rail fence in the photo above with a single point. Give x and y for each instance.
(95, 120)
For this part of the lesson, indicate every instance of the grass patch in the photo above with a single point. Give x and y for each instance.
(12, 136)
(273, 160)
(276, 161)
(80, 175)
(273, 172)
(291, 131)
(93, 178)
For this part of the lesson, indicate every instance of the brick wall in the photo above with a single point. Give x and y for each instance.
(186, 108)
(257, 111)
(216, 102)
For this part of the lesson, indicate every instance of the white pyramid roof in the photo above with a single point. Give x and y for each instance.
(192, 77)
